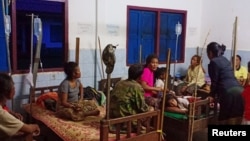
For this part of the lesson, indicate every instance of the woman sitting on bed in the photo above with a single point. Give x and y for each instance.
(70, 96)
(195, 77)
(11, 127)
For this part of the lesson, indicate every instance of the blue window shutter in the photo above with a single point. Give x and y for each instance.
(141, 32)
(168, 36)
(148, 33)
(3, 44)
(133, 37)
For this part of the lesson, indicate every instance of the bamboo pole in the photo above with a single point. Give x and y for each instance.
(165, 92)
(192, 112)
(234, 42)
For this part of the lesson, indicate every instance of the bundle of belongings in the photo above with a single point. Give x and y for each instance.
(48, 100)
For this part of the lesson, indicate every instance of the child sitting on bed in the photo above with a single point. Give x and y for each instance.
(176, 104)
(11, 126)
(70, 103)
(160, 76)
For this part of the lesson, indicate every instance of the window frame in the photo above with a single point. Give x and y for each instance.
(14, 39)
(156, 47)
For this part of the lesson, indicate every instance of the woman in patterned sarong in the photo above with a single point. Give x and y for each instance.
(70, 96)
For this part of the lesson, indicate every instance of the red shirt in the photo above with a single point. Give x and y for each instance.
(5, 108)
(246, 97)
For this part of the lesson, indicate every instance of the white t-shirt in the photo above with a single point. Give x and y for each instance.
(159, 83)
(9, 125)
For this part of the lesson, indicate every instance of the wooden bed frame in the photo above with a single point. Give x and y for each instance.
(151, 130)
(179, 129)
(151, 133)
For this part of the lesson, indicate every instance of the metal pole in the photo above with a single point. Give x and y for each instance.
(96, 32)
(140, 54)
(7, 27)
(31, 39)
(175, 58)
(100, 50)
(178, 30)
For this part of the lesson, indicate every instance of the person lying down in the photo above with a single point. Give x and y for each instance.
(176, 104)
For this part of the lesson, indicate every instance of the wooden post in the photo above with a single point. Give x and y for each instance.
(77, 50)
(164, 93)
(108, 97)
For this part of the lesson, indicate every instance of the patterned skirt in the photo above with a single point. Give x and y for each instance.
(84, 109)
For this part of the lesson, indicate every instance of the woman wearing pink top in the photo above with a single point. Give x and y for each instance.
(147, 80)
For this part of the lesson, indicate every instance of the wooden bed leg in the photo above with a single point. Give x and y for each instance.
(104, 131)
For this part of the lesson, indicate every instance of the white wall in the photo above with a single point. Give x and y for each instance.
(111, 17)
(218, 17)
(89, 19)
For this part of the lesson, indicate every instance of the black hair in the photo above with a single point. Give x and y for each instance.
(168, 98)
(69, 69)
(159, 72)
(6, 84)
(239, 57)
(248, 65)
(216, 49)
(150, 58)
(198, 58)
(135, 71)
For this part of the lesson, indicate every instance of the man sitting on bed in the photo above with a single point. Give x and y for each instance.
(127, 96)
(11, 126)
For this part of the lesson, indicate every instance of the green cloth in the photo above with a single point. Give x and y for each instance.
(175, 115)
(127, 99)
(103, 99)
